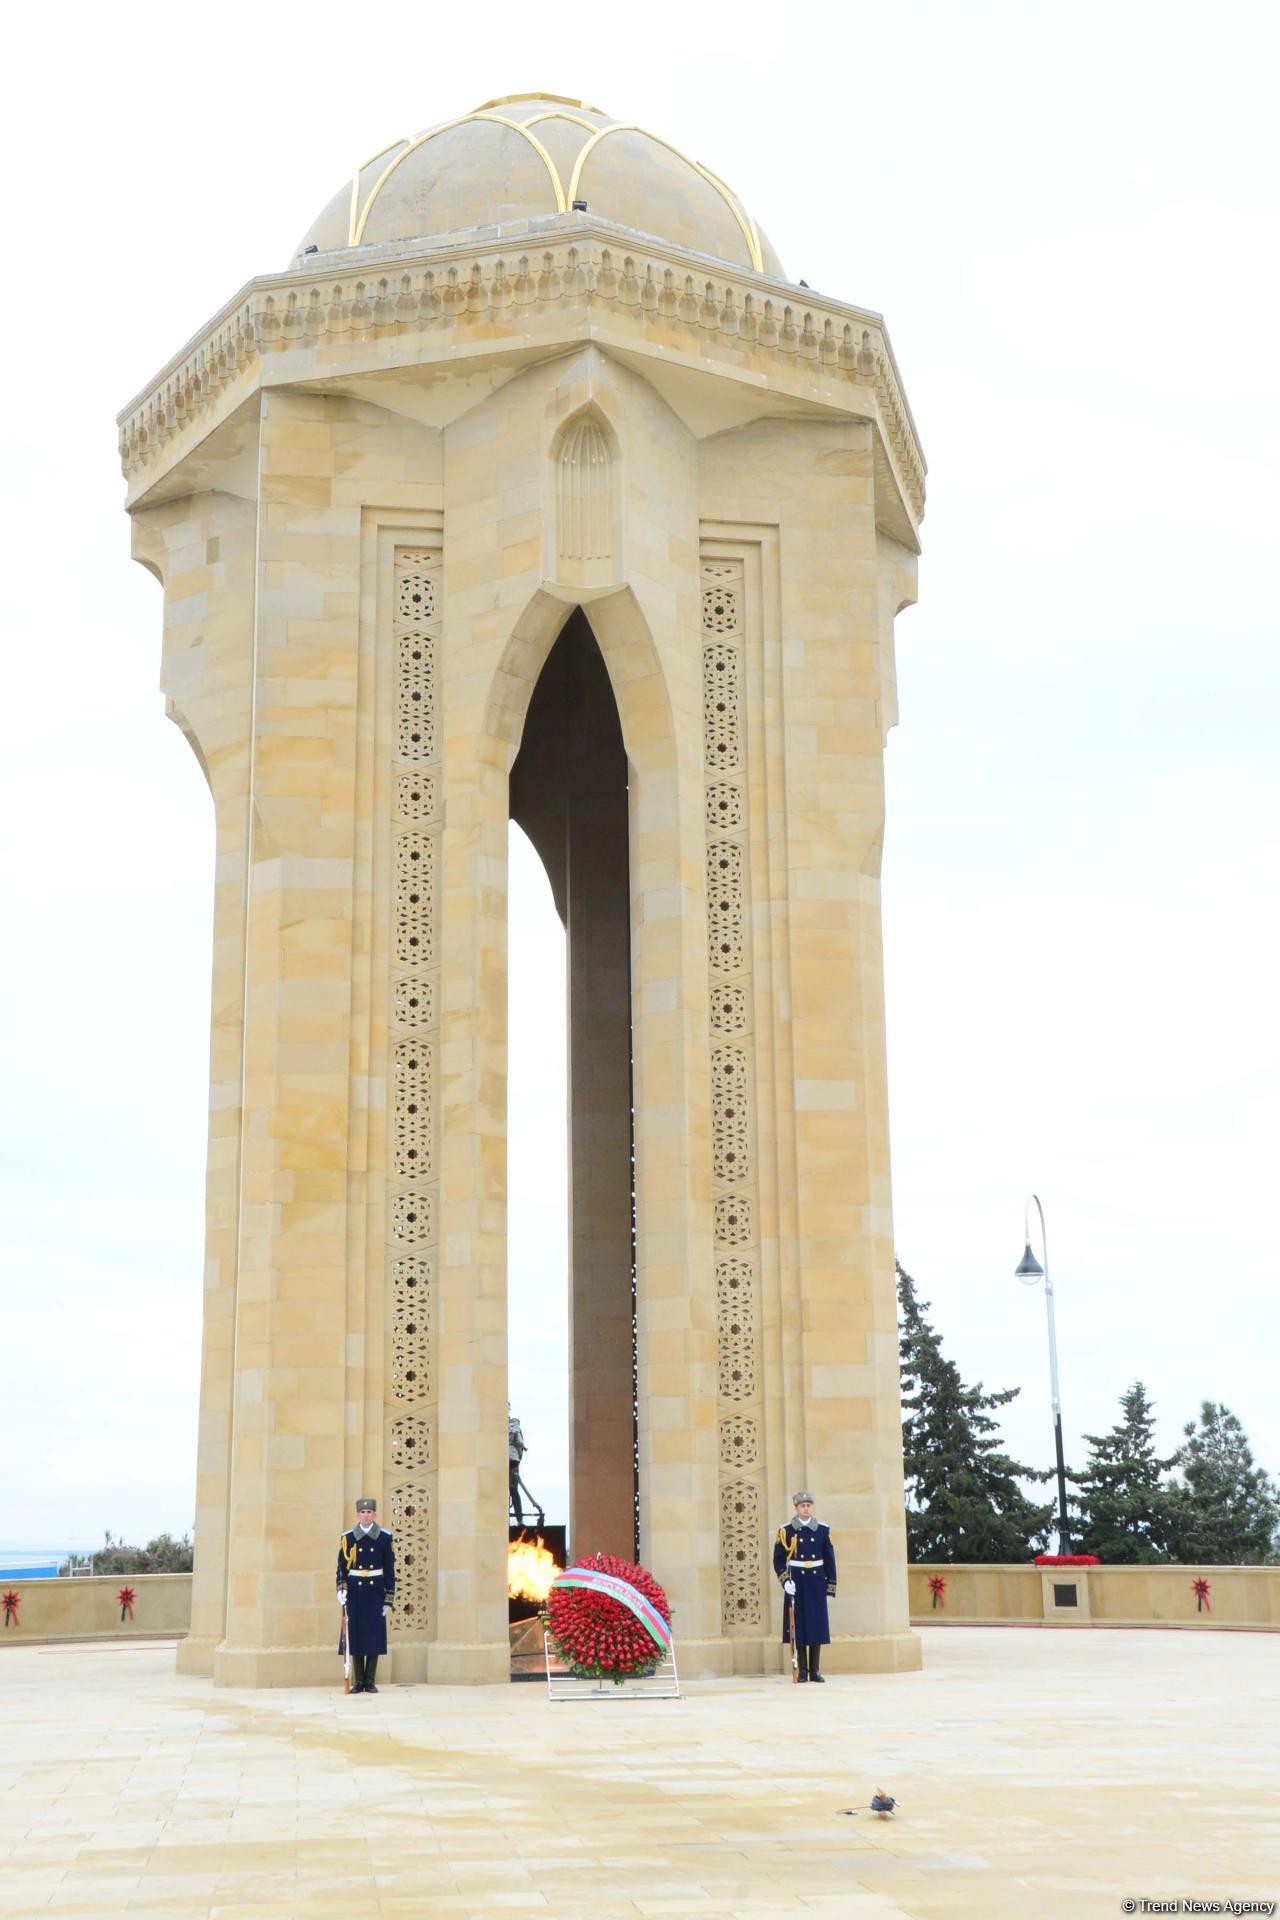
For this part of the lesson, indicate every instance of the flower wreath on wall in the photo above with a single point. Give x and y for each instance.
(607, 1619)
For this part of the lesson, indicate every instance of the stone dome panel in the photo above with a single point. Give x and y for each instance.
(563, 138)
(662, 195)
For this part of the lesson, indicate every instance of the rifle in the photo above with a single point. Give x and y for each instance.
(795, 1660)
(344, 1648)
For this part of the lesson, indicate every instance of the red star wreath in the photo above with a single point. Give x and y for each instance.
(10, 1601)
(126, 1597)
(1200, 1588)
(937, 1587)
(596, 1636)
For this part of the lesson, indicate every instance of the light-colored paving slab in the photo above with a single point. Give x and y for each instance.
(1052, 1773)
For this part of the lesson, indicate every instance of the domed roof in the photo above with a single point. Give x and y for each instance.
(518, 158)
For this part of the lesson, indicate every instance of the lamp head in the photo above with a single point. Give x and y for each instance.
(1028, 1269)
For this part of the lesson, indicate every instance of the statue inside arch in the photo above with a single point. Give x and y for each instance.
(517, 1447)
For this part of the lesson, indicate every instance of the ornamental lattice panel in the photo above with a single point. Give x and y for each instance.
(740, 1551)
(726, 908)
(412, 1201)
(416, 796)
(739, 1443)
(732, 1091)
(410, 1442)
(728, 1009)
(415, 899)
(413, 1216)
(730, 1133)
(413, 1002)
(735, 1329)
(411, 1295)
(409, 1511)
(415, 696)
(413, 1133)
(721, 708)
(724, 805)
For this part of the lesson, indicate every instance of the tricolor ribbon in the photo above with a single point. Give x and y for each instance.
(621, 1590)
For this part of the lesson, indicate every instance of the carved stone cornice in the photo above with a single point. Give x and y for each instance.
(412, 305)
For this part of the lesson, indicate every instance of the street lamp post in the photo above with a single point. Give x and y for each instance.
(1029, 1271)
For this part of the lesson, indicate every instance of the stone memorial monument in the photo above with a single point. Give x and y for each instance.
(531, 488)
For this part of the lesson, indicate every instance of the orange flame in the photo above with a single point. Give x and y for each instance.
(530, 1570)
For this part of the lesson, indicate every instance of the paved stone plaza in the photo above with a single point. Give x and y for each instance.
(1040, 1772)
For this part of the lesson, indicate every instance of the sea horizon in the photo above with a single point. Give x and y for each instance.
(11, 1554)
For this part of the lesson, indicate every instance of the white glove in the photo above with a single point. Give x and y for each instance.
(789, 1586)
(385, 1612)
(342, 1596)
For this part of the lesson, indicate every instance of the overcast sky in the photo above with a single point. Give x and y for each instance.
(1069, 219)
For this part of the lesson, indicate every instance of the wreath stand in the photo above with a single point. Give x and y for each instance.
(662, 1682)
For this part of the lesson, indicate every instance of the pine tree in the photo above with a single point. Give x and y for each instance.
(1127, 1506)
(1228, 1509)
(964, 1502)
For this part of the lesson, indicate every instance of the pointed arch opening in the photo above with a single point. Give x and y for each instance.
(569, 795)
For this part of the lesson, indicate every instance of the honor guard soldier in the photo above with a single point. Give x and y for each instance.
(366, 1588)
(805, 1563)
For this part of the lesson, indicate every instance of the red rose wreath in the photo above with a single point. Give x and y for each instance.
(597, 1637)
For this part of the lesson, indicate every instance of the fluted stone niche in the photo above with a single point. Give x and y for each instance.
(585, 520)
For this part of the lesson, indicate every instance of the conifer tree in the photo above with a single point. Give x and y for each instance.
(964, 1502)
(1228, 1508)
(1127, 1505)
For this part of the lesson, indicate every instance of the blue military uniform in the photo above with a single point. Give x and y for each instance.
(803, 1553)
(367, 1576)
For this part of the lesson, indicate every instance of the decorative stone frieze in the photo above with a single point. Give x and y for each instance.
(284, 327)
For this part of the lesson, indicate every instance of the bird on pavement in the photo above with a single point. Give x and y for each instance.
(881, 1802)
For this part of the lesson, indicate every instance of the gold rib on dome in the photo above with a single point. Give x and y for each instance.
(558, 113)
(555, 109)
(747, 226)
(753, 231)
(555, 99)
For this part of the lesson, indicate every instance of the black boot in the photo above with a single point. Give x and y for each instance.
(370, 1668)
(357, 1673)
(815, 1653)
(802, 1671)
